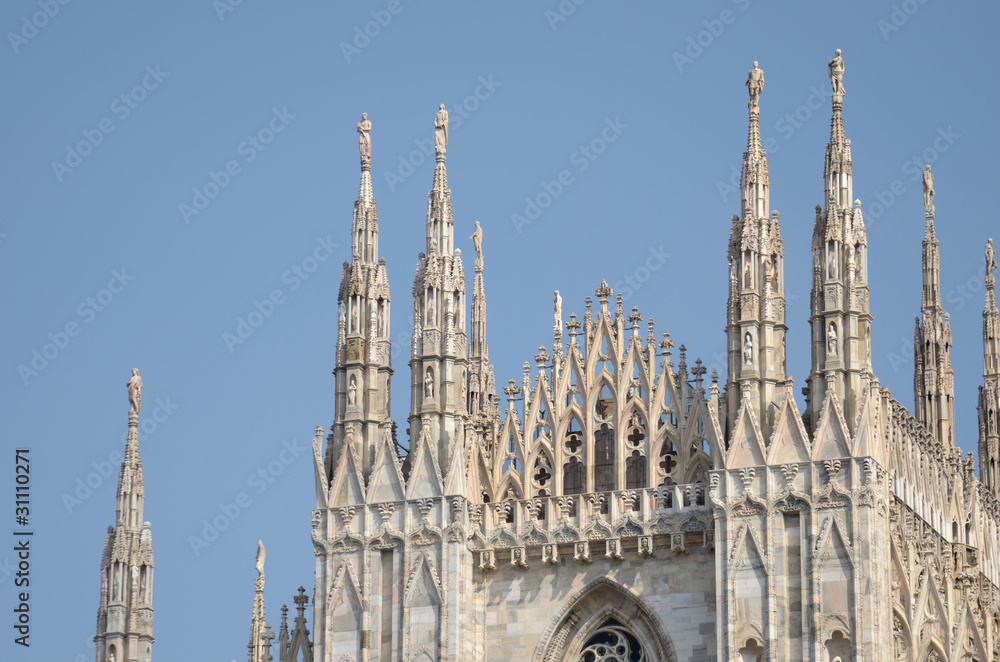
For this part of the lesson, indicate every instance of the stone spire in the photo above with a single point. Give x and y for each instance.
(439, 364)
(259, 648)
(756, 310)
(483, 400)
(125, 615)
(363, 364)
(839, 315)
(989, 393)
(933, 377)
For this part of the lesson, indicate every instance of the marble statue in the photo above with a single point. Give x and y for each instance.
(352, 392)
(441, 129)
(836, 69)
(261, 554)
(755, 84)
(831, 339)
(135, 391)
(928, 188)
(429, 386)
(991, 263)
(831, 266)
(365, 137)
(477, 241)
(557, 313)
(748, 349)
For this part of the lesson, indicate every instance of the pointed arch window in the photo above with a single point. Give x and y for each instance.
(612, 642)
(604, 459)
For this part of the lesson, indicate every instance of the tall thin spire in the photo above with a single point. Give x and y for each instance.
(439, 363)
(363, 366)
(259, 648)
(756, 311)
(933, 377)
(989, 393)
(840, 317)
(125, 615)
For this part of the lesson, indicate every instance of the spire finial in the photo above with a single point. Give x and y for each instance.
(365, 141)
(441, 133)
(928, 192)
(755, 85)
(836, 70)
(134, 386)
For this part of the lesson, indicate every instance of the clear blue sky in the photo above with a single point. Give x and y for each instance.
(219, 77)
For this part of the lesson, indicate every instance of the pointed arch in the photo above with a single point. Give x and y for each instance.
(423, 608)
(343, 613)
(593, 606)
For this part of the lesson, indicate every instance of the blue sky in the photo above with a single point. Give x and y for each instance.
(200, 79)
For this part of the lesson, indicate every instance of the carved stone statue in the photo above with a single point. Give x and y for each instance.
(755, 84)
(831, 266)
(831, 339)
(747, 276)
(352, 392)
(441, 129)
(748, 349)
(558, 309)
(365, 137)
(135, 391)
(928, 188)
(429, 386)
(381, 320)
(477, 241)
(991, 263)
(261, 554)
(836, 69)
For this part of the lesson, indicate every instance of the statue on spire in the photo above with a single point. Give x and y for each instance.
(928, 188)
(991, 263)
(755, 84)
(836, 69)
(261, 555)
(441, 129)
(135, 391)
(365, 137)
(477, 237)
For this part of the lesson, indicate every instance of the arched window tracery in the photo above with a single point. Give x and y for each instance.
(612, 642)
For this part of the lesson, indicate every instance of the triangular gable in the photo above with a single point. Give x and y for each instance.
(423, 579)
(510, 434)
(789, 442)
(832, 543)
(969, 640)
(746, 447)
(747, 551)
(345, 590)
(634, 359)
(602, 332)
(832, 439)
(348, 484)
(386, 480)
(454, 484)
(425, 475)
(866, 441)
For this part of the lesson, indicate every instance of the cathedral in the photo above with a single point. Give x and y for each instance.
(616, 503)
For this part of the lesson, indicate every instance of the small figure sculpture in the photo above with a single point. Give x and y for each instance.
(991, 263)
(557, 314)
(381, 321)
(836, 69)
(261, 554)
(135, 391)
(831, 266)
(111, 656)
(365, 137)
(831, 339)
(441, 129)
(352, 392)
(747, 276)
(928, 188)
(755, 84)
(429, 385)
(477, 241)
(748, 349)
